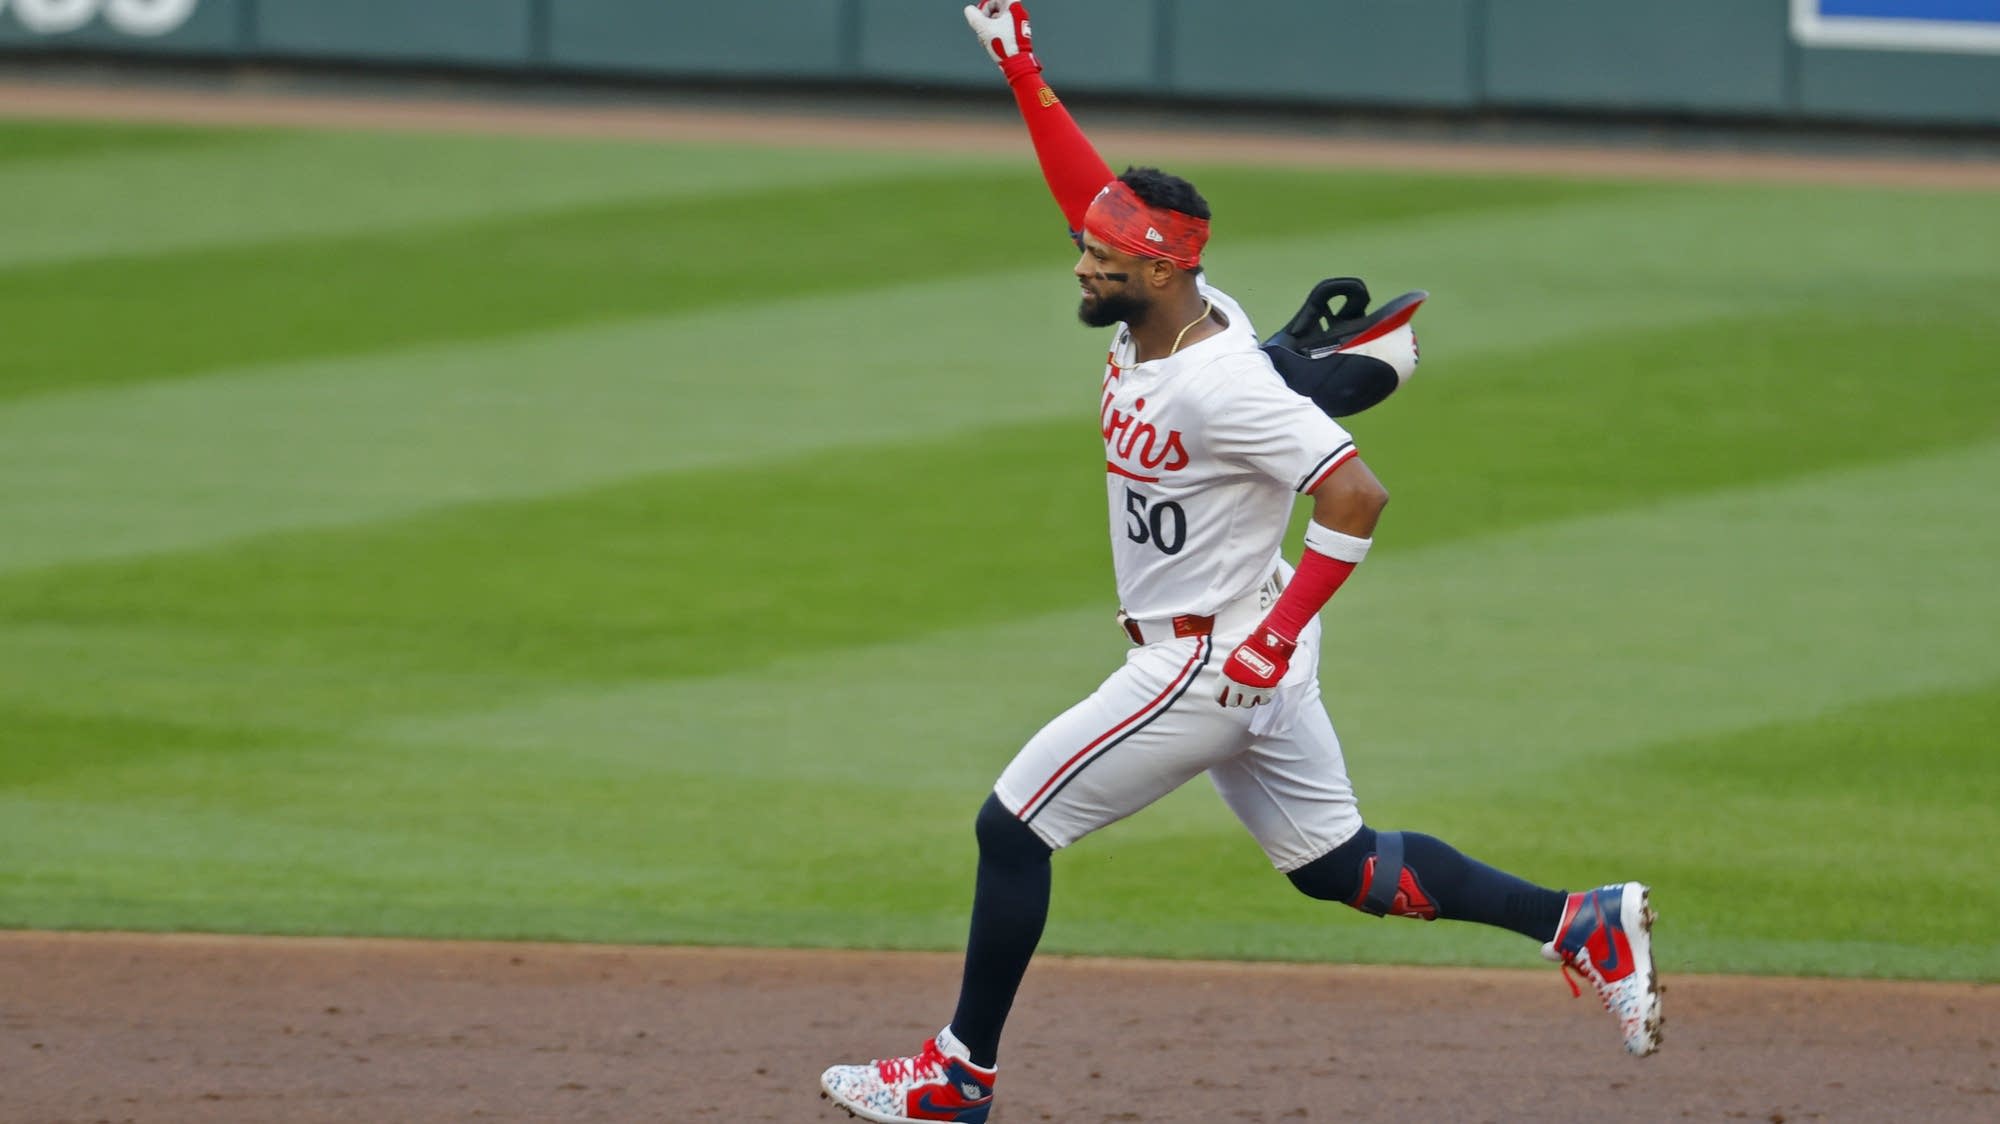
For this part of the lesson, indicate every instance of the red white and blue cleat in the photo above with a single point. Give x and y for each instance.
(1607, 935)
(932, 1085)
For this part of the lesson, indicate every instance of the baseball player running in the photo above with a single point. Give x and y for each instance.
(1205, 451)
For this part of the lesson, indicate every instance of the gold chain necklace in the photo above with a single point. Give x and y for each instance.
(1206, 307)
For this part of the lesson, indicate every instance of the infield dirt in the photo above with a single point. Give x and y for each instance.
(116, 1027)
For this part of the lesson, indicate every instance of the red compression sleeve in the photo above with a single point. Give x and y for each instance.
(1308, 592)
(1073, 169)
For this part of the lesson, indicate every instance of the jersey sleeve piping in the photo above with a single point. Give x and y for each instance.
(1319, 472)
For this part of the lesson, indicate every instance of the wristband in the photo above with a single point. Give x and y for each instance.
(1337, 545)
(1013, 66)
(1329, 559)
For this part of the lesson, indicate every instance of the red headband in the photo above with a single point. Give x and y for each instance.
(1125, 222)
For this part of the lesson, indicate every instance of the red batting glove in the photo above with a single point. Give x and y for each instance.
(1251, 673)
(1002, 27)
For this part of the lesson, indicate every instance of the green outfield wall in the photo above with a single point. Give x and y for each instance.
(1921, 62)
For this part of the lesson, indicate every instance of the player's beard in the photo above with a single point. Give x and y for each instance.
(1112, 308)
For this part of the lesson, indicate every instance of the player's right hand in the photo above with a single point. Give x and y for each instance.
(1002, 27)
(1252, 672)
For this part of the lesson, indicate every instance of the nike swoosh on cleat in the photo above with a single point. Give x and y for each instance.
(925, 1104)
(1609, 962)
(1607, 910)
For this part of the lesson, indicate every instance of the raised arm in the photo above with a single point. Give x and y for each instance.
(1073, 169)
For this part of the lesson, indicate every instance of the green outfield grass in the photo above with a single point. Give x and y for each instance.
(511, 538)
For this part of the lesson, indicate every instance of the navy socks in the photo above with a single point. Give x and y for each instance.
(1010, 904)
(1432, 880)
(1404, 873)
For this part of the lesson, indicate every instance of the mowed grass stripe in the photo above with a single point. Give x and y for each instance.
(1560, 641)
(458, 841)
(1613, 419)
(122, 471)
(118, 192)
(1493, 742)
(1456, 674)
(650, 578)
(1665, 258)
(1795, 812)
(461, 282)
(25, 143)
(1453, 672)
(1719, 811)
(604, 872)
(634, 579)
(625, 810)
(184, 313)
(1494, 437)
(1450, 670)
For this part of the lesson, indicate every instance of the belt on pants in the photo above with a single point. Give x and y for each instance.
(1239, 616)
(1172, 628)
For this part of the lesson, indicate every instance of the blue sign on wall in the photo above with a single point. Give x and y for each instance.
(1919, 25)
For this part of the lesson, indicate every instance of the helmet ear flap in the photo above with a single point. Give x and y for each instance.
(1319, 351)
(1340, 385)
(1316, 322)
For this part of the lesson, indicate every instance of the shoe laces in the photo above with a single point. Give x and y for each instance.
(927, 1062)
(1581, 964)
(1575, 992)
(1578, 959)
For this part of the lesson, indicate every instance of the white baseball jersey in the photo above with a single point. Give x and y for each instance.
(1204, 453)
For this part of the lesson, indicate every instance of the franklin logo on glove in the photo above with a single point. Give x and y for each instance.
(1255, 662)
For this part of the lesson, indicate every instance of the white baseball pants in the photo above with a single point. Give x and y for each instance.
(1155, 723)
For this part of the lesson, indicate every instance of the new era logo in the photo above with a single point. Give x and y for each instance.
(1154, 235)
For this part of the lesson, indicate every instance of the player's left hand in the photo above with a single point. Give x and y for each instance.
(1251, 673)
(1002, 27)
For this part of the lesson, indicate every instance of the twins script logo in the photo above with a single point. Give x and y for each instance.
(1138, 444)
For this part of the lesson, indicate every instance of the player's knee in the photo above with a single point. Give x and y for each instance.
(1372, 872)
(1336, 875)
(1004, 838)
